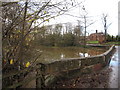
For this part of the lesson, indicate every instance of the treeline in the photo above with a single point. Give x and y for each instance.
(56, 36)
(63, 35)
(67, 39)
(111, 38)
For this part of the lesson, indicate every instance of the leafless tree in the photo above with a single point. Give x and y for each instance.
(20, 22)
(105, 24)
(86, 23)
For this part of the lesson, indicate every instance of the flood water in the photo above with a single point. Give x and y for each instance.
(50, 54)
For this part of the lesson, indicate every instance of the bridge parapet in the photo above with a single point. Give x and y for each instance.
(65, 67)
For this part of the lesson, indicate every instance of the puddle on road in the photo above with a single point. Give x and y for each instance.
(113, 76)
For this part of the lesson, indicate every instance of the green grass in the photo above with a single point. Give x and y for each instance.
(93, 42)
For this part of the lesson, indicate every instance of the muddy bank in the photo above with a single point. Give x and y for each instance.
(93, 80)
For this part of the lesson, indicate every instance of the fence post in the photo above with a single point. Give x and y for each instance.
(40, 80)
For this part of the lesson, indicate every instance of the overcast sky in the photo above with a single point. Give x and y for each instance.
(95, 9)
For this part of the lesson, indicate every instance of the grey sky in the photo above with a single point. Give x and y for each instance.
(95, 9)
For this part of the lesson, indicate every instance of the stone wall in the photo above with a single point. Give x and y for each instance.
(68, 68)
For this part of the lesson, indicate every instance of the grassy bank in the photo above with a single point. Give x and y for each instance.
(110, 43)
(93, 42)
(107, 43)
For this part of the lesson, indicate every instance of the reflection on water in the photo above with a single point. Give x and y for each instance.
(57, 53)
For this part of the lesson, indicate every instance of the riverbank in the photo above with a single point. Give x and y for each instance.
(107, 43)
(111, 43)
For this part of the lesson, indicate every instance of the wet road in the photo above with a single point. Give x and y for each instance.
(114, 65)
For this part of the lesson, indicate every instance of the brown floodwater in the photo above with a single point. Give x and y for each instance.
(50, 54)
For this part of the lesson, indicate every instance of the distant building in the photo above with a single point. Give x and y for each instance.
(97, 37)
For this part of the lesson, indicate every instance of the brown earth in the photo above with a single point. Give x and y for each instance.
(93, 80)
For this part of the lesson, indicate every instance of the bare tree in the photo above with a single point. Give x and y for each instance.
(105, 24)
(20, 20)
(85, 22)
